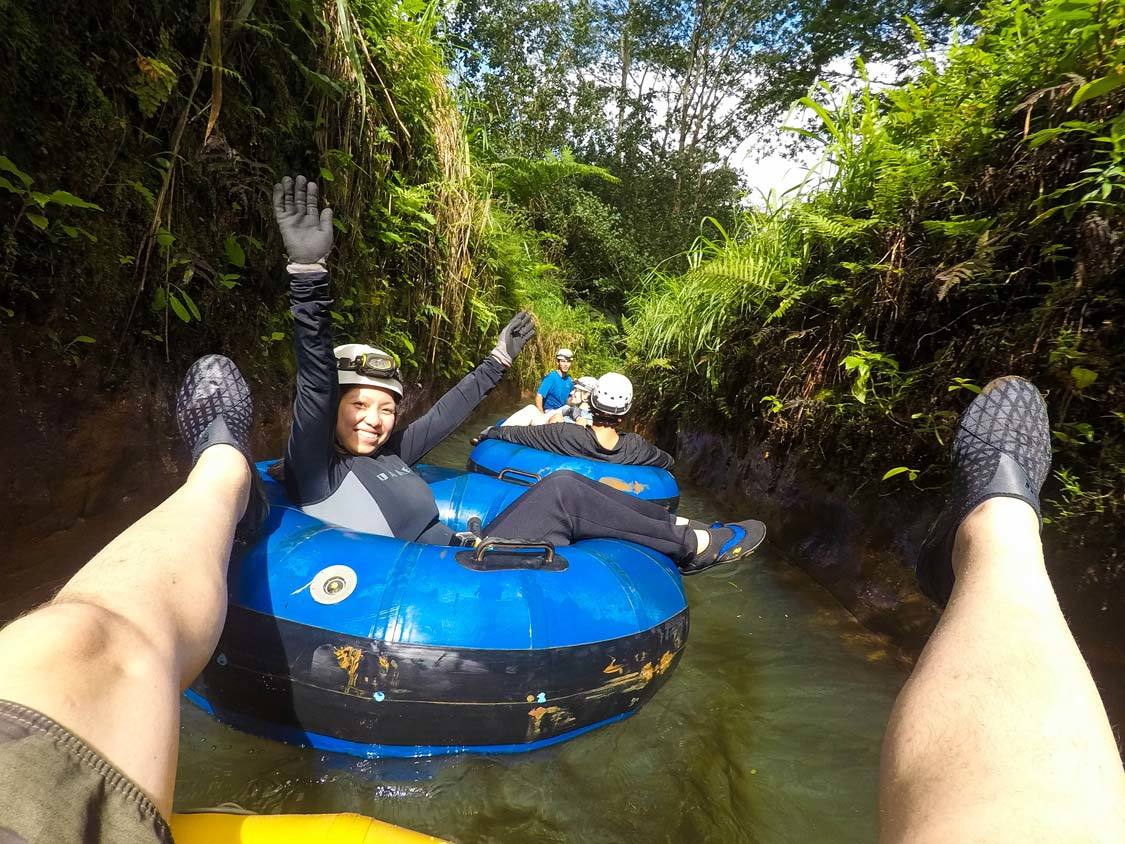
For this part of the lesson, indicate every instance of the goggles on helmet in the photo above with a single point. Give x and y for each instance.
(371, 365)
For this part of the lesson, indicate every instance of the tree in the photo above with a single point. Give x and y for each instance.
(660, 92)
(695, 74)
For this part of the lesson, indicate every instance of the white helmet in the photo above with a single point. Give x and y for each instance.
(357, 363)
(586, 383)
(613, 394)
(565, 354)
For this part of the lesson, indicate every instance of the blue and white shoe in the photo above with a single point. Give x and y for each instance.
(729, 542)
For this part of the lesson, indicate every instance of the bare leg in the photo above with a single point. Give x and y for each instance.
(110, 655)
(1000, 735)
(529, 415)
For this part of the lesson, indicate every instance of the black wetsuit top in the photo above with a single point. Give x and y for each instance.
(579, 441)
(378, 494)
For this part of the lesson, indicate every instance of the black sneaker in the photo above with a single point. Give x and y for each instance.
(1002, 448)
(213, 407)
(729, 542)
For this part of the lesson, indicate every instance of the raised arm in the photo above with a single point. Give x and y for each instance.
(307, 233)
(448, 414)
(457, 405)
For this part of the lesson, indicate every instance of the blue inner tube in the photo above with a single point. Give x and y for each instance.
(522, 464)
(373, 646)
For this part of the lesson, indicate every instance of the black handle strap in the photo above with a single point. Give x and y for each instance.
(494, 554)
(519, 476)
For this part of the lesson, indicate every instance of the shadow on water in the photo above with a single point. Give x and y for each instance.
(769, 731)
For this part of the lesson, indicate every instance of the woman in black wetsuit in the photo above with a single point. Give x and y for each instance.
(346, 463)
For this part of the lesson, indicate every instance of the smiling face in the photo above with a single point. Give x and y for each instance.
(577, 396)
(365, 419)
(563, 365)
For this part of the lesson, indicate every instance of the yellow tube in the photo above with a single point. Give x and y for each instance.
(223, 828)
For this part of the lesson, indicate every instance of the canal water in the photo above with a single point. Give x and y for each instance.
(768, 731)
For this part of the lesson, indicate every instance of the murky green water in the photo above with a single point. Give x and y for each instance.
(769, 731)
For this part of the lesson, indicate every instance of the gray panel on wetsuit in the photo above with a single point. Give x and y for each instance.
(351, 506)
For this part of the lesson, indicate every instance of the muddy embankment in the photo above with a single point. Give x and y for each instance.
(80, 461)
(859, 543)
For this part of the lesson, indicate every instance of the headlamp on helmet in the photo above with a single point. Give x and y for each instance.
(358, 364)
(371, 364)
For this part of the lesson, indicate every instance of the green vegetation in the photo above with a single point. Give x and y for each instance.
(970, 225)
(968, 222)
(163, 128)
(660, 94)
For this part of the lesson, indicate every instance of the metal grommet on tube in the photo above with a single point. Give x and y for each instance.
(333, 584)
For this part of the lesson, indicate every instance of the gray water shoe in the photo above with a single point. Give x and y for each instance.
(1002, 448)
(213, 407)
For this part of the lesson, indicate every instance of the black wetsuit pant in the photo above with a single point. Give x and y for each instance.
(565, 507)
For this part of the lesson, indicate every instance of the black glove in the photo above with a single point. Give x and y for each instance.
(483, 435)
(306, 231)
(514, 337)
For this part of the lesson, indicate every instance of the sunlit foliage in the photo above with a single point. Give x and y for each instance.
(966, 225)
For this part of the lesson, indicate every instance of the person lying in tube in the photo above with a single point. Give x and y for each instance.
(576, 409)
(349, 463)
(610, 399)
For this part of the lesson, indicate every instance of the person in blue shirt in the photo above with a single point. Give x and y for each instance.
(555, 388)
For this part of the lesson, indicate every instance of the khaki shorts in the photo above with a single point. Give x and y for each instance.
(55, 789)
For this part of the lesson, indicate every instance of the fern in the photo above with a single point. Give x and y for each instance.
(979, 264)
(523, 180)
(833, 227)
(152, 84)
(959, 226)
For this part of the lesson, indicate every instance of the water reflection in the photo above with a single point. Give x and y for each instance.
(768, 732)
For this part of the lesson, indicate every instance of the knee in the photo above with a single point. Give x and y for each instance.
(564, 477)
(561, 484)
(552, 492)
(85, 632)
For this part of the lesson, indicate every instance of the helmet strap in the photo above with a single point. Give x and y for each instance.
(605, 420)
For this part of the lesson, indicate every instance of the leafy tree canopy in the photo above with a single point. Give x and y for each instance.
(665, 77)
